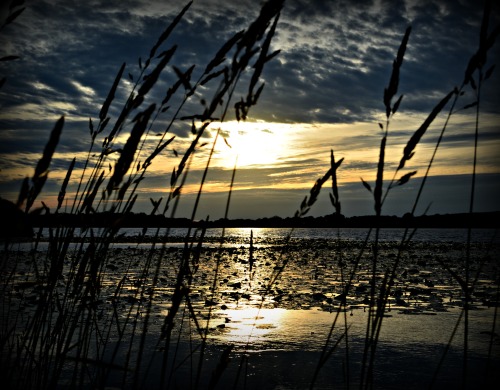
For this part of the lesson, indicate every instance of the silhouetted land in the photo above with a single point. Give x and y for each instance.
(15, 223)
(477, 220)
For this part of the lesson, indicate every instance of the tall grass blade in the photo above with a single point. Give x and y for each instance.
(335, 190)
(42, 168)
(377, 192)
(221, 54)
(157, 151)
(62, 192)
(366, 185)
(111, 95)
(164, 36)
(151, 79)
(13, 16)
(392, 88)
(127, 155)
(408, 151)
(221, 367)
(23, 193)
(9, 58)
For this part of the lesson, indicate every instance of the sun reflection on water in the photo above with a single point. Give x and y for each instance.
(243, 324)
(257, 329)
(272, 328)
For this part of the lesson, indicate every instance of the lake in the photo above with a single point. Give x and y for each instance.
(276, 308)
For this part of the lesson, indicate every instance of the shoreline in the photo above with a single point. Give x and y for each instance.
(139, 220)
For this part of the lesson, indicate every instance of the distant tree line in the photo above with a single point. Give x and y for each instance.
(478, 220)
(14, 223)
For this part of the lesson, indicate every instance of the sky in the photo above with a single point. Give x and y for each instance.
(322, 92)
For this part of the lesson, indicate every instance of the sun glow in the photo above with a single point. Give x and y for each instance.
(252, 143)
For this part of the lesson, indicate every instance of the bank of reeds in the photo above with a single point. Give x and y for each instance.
(67, 327)
(69, 340)
(476, 73)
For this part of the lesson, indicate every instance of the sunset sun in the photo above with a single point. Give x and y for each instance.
(252, 144)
